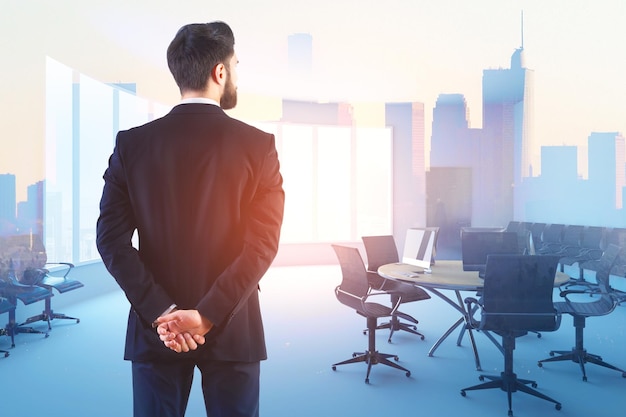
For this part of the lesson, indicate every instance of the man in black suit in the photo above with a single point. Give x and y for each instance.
(204, 193)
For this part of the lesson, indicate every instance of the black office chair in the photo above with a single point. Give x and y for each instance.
(604, 302)
(516, 298)
(37, 274)
(354, 292)
(13, 290)
(551, 238)
(58, 281)
(590, 247)
(381, 250)
(6, 306)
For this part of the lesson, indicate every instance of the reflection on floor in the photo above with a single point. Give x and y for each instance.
(79, 371)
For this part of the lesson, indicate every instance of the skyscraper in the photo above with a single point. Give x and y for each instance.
(409, 191)
(507, 130)
(500, 154)
(607, 154)
(7, 202)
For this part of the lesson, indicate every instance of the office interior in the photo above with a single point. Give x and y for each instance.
(377, 164)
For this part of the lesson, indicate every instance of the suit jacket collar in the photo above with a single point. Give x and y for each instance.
(190, 108)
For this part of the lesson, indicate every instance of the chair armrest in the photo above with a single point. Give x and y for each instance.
(387, 293)
(472, 304)
(66, 264)
(590, 290)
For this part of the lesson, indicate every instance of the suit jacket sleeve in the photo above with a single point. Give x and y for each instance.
(115, 228)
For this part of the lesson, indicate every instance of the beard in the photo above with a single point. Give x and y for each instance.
(229, 98)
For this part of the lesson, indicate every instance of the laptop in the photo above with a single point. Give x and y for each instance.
(418, 248)
(476, 246)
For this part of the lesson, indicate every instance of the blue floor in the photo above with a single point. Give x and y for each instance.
(78, 370)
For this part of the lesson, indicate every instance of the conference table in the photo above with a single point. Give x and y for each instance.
(449, 275)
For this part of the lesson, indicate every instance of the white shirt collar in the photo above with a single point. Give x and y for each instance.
(202, 100)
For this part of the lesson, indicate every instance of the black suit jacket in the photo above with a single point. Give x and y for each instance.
(204, 193)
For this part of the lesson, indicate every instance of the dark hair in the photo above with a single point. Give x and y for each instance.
(195, 50)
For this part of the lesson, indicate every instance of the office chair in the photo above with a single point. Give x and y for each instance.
(13, 290)
(551, 238)
(381, 250)
(516, 298)
(6, 306)
(589, 248)
(62, 284)
(38, 275)
(354, 292)
(603, 304)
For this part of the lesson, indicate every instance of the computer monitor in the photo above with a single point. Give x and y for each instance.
(475, 246)
(418, 247)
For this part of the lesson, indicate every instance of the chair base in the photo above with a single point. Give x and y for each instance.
(578, 353)
(13, 328)
(509, 383)
(372, 358)
(48, 315)
(396, 325)
(579, 356)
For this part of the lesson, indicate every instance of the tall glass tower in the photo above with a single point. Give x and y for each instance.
(507, 134)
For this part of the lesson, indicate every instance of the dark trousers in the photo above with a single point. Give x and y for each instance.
(161, 389)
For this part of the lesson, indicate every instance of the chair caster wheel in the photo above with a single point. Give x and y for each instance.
(538, 335)
(557, 406)
(534, 385)
(539, 364)
(551, 353)
(510, 412)
(367, 380)
(77, 321)
(585, 378)
(422, 337)
(623, 374)
(6, 354)
(334, 368)
(46, 336)
(408, 374)
(481, 378)
(463, 394)
(395, 358)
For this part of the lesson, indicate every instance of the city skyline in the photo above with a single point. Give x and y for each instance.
(406, 51)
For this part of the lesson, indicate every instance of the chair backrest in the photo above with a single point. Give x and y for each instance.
(380, 250)
(604, 266)
(354, 285)
(22, 257)
(513, 226)
(552, 233)
(476, 246)
(572, 235)
(517, 294)
(593, 237)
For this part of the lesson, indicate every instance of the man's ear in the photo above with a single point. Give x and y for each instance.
(219, 74)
